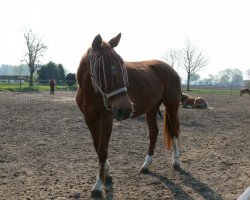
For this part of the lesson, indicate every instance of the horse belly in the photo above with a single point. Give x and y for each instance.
(144, 100)
(190, 101)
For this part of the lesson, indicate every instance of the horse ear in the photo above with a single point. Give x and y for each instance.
(115, 41)
(96, 44)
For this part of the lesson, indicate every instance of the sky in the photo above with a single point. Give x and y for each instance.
(219, 28)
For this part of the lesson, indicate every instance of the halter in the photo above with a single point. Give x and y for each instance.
(97, 64)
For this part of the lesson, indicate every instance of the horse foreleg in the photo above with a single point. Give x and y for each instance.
(104, 173)
(97, 189)
(94, 127)
(153, 133)
(108, 176)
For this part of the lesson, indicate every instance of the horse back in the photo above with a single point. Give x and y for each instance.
(200, 103)
(150, 82)
(152, 72)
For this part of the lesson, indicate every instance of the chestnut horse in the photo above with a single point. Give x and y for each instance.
(195, 102)
(111, 88)
(243, 91)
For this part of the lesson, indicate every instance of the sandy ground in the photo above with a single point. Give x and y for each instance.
(46, 152)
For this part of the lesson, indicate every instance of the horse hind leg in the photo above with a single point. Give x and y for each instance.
(171, 132)
(153, 133)
(176, 154)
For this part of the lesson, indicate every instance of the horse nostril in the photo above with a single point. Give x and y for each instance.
(119, 111)
(122, 113)
(128, 111)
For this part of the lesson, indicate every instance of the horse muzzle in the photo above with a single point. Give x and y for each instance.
(122, 113)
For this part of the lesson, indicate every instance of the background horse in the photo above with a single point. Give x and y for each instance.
(243, 91)
(195, 102)
(111, 88)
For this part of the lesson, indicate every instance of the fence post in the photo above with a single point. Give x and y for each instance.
(20, 83)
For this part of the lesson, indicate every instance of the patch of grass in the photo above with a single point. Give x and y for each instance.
(72, 88)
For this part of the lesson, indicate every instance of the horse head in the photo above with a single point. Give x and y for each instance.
(184, 97)
(109, 76)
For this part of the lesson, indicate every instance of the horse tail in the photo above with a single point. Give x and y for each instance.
(171, 127)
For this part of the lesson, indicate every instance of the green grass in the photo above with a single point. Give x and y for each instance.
(15, 87)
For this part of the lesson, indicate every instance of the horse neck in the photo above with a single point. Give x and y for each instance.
(83, 73)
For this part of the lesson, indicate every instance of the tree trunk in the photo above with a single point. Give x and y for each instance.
(31, 78)
(20, 82)
(188, 82)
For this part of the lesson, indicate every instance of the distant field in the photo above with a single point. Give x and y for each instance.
(36, 87)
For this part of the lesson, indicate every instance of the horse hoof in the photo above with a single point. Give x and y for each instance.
(176, 166)
(144, 170)
(96, 194)
(108, 180)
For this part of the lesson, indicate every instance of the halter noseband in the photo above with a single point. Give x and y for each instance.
(106, 96)
(96, 65)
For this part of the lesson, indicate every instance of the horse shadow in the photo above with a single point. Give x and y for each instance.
(179, 194)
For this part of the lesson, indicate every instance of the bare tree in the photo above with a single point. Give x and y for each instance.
(195, 78)
(35, 50)
(231, 77)
(172, 57)
(192, 60)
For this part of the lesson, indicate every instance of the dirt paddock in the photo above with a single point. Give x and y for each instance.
(46, 152)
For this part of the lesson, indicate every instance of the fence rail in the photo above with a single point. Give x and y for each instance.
(214, 89)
